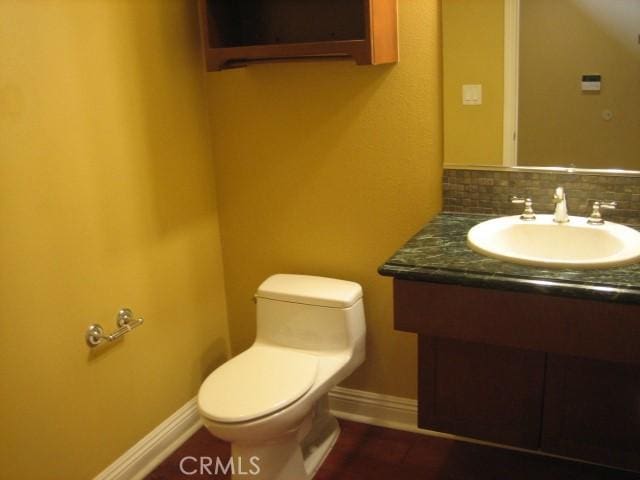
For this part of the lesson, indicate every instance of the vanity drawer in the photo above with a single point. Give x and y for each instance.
(561, 325)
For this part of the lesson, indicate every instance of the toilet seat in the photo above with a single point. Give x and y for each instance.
(258, 382)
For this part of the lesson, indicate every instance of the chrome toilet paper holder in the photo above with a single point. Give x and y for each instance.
(95, 333)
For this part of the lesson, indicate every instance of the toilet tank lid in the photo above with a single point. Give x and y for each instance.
(310, 290)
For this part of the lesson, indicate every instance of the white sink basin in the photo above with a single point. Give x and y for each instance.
(543, 243)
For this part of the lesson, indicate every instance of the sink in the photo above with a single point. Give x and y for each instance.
(544, 243)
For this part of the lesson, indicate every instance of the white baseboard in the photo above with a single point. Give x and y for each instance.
(148, 453)
(374, 408)
(387, 411)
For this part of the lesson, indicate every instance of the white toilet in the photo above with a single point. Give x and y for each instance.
(270, 401)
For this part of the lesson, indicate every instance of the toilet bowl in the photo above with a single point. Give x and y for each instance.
(270, 402)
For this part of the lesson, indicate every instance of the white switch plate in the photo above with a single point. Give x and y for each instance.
(472, 94)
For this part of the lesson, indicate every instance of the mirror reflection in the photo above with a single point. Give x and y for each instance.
(542, 83)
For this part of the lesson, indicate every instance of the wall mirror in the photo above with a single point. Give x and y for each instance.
(542, 83)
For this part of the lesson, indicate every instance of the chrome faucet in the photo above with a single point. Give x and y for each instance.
(560, 199)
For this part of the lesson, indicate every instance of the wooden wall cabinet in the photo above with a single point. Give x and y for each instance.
(534, 371)
(236, 33)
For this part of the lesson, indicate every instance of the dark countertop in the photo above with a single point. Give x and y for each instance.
(439, 253)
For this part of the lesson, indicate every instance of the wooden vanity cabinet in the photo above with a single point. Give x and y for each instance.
(238, 33)
(540, 372)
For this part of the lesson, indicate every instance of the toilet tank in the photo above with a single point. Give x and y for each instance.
(310, 313)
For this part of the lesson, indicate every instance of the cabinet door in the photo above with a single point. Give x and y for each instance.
(592, 411)
(488, 392)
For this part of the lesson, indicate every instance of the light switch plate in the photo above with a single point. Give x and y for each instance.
(472, 94)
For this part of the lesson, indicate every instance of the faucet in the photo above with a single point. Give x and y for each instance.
(560, 199)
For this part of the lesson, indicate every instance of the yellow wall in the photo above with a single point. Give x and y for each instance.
(473, 46)
(559, 42)
(106, 199)
(326, 168)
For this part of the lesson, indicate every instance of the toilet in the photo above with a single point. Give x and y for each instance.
(271, 401)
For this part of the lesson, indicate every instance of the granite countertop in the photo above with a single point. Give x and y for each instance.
(439, 253)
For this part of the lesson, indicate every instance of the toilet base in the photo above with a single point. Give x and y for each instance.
(318, 443)
(288, 458)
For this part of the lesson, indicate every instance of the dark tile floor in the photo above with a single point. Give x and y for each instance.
(364, 452)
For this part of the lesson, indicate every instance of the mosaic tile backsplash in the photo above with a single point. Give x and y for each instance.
(486, 191)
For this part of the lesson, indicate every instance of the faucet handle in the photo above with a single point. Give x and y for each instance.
(596, 217)
(528, 214)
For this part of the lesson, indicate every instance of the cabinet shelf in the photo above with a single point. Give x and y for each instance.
(236, 33)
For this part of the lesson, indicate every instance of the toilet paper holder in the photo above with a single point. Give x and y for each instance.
(95, 333)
